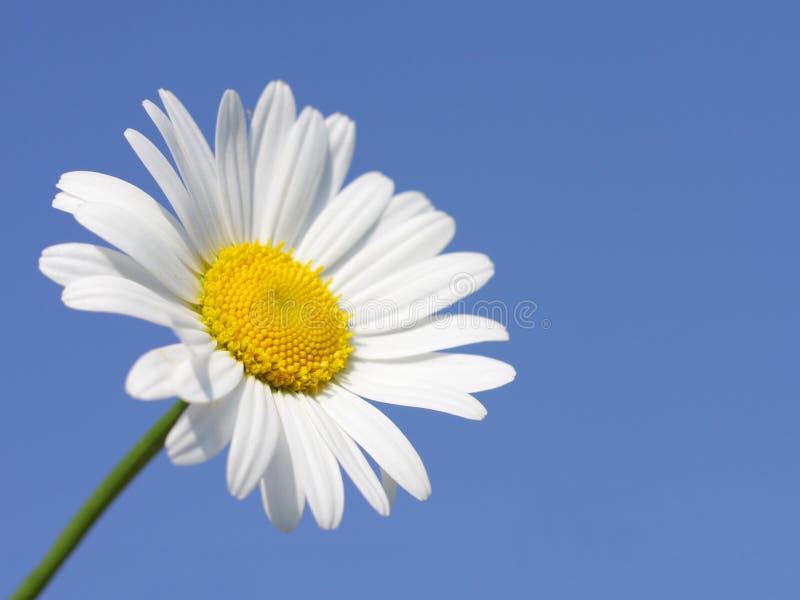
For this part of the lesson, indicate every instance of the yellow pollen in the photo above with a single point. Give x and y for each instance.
(276, 316)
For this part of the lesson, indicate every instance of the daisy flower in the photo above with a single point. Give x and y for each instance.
(296, 302)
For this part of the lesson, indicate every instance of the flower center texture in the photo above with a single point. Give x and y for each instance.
(276, 316)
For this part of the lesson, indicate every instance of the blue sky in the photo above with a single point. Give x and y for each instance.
(630, 167)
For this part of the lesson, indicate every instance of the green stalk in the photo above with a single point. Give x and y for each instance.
(116, 481)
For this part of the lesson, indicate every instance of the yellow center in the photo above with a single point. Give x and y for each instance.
(276, 316)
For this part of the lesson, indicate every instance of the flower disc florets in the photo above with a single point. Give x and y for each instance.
(275, 315)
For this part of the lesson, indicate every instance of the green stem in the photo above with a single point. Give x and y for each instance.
(116, 481)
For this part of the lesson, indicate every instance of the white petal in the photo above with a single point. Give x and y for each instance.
(151, 376)
(342, 141)
(65, 263)
(404, 206)
(104, 293)
(466, 372)
(437, 333)
(194, 160)
(191, 330)
(316, 465)
(297, 179)
(381, 438)
(191, 180)
(202, 431)
(281, 491)
(88, 187)
(421, 237)
(189, 134)
(133, 234)
(255, 437)
(345, 220)
(207, 376)
(349, 456)
(378, 385)
(174, 190)
(233, 164)
(401, 300)
(389, 486)
(272, 119)
(66, 202)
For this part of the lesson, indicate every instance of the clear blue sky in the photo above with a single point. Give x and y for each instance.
(630, 167)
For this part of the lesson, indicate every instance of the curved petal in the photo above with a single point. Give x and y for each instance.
(151, 376)
(65, 263)
(378, 385)
(466, 372)
(255, 437)
(207, 376)
(83, 187)
(233, 165)
(437, 333)
(66, 202)
(404, 206)
(281, 490)
(316, 465)
(417, 239)
(194, 160)
(349, 456)
(346, 219)
(389, 486)
(342, 141)
(170, 183)
(202, 431)
(135, 236)
(381, 438)
(272, 119)
(296, 180)
(401, 300)
(109, 294)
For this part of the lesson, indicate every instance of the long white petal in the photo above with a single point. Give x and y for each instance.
(202, 431)
(389, 487)
(233, 165)
(272, 119)
(466, 372)
(207, 376)
(282, 493)
(195, 374)
(437, 333)
(401, 300)
(378, 385)
(109, 294)
(404, 206)
(89, 187)
(174, 190)
(255, 437)
(316, 465)
(66, 202)
(65, 263)
(132, 233)
(297, 179)
(417, 239)
(381, 438)
(190, 329)
(151, 376)
(342, 141)
(345, 220)
(349, 456)
(190, 177)
(194, 160)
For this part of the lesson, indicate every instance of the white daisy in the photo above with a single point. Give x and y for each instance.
(293, 299)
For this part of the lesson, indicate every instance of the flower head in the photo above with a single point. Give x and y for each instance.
(293, 299)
